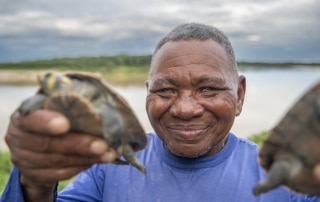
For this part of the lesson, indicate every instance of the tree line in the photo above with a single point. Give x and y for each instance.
(103, 63)
(109, 63)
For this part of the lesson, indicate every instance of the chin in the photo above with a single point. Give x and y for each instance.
(186, 153)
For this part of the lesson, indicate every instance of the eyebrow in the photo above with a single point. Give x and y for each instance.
(209, 80)
(197, 81)
(167, 80)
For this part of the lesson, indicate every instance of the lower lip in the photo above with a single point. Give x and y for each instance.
(187, 134)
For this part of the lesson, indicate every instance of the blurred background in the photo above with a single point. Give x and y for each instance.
(276, 45)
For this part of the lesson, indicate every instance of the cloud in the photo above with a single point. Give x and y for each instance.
(259, 30)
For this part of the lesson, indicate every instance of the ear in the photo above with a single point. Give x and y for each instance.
(241, 94)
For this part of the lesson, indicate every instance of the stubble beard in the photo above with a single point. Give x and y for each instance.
(187, 155)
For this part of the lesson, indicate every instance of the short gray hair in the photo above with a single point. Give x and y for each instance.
(190, 31)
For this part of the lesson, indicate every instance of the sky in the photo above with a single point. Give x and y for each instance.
(260, 30)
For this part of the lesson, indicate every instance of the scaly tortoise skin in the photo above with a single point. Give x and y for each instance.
(92, 107)
(292, 149)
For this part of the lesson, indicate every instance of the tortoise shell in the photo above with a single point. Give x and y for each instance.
(92, 107)
(292, 149)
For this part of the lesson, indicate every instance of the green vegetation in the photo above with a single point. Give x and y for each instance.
(264, 65)
(259, 138)
(118, 70)
(6, 165)
(107, 64)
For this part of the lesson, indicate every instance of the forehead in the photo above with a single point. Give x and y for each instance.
(192, 52)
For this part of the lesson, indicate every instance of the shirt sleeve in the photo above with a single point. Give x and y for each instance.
(87, 186)
(13, 190)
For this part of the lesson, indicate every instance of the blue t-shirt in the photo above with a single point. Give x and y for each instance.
(228, 176)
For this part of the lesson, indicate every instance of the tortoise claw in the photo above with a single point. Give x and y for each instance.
(129, 155)
(31, 104)
(276, 176)
(280, 172)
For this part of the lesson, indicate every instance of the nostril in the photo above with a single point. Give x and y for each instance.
(186, 108)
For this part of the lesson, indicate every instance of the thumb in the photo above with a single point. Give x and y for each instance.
(43, 121)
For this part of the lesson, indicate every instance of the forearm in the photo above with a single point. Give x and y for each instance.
(35, 193)
(15, 191)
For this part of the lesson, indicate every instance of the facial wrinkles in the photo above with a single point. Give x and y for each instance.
(195, 50)
(205, 80)
(217, 78)
(189, 81)
(195, 59)
(163, 81)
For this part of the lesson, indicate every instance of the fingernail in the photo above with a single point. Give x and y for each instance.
(59, 125)
(108, 157)
(317, 172)
(98, 147)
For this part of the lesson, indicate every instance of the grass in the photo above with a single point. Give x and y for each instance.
(6, 165)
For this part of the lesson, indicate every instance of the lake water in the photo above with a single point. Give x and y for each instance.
(270, 93)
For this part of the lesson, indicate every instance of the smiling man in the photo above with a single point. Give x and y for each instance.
(194, 95)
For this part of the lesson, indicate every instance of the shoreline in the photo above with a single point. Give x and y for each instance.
(18, 77)
(29, 77)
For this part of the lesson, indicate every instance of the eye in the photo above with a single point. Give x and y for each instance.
(208, 91)
(166, 92)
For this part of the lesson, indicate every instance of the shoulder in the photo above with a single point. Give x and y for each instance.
(243, 145)
(247, 144)
(153, 142)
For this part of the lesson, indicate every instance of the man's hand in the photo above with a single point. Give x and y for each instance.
(45, 152)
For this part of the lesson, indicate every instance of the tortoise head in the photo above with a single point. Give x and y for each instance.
(54, 82)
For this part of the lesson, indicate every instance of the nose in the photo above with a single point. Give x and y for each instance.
(186, 107)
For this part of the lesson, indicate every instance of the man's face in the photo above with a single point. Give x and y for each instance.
(193, 97)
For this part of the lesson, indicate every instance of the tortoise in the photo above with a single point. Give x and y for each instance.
(292, 149)
(92, 107)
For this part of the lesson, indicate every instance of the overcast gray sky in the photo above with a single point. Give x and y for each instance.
(260, 30)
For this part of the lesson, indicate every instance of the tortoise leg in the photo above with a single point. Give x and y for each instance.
(113, 127)
(281, 170)
(31, 104)
(129, 155)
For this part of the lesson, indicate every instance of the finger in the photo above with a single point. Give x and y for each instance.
(317, 172)
(42, 121)
(71, 143)
(27, 159)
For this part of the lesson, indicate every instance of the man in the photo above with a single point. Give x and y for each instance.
(194, 95)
